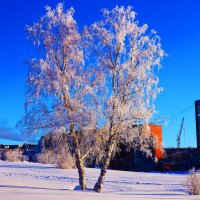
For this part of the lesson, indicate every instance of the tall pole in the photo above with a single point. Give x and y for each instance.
(197, 115)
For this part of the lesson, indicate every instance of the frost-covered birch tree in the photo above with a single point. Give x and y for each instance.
(59, 87)
(129, 58)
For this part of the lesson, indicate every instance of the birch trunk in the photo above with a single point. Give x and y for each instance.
(99, 183)
(80, 165)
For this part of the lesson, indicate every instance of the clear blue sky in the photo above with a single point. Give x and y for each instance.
(177, 23)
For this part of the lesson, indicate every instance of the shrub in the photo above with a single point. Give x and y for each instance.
(68, 163)
(193, 182)
(63, 161)
(15, 155)
(45, 158)
(55, 150)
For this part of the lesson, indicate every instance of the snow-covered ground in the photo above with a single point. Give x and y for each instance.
(33, 181)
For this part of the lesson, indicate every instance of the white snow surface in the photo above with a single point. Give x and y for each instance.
(33, 181)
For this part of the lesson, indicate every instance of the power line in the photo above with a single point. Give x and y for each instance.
(183, 111)
(164, 119)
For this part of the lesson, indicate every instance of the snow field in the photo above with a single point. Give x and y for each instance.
(33, 181)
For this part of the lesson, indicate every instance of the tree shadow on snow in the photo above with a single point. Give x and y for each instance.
(27, 167)
(78, 188)
(153, 194)
(30, 187)
(178, 190)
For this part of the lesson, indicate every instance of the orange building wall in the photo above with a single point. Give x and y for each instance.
(157, 131)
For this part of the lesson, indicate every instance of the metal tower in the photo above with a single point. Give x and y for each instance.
(178, 139)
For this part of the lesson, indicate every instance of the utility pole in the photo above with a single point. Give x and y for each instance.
(178, 139)
(197, 114)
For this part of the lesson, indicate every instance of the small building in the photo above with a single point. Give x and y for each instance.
(156, 130)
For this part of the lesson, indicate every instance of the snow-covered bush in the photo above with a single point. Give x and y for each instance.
(67, 163)
(193, 182)
(45, 158)
(63, 161)
(15, 155)
(54, 150)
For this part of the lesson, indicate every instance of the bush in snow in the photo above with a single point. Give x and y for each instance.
(193, 182)
(45, 158)
(65, 161)
(54, 150)
(15, 155)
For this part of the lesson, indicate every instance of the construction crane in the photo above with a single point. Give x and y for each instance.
(178, 138)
